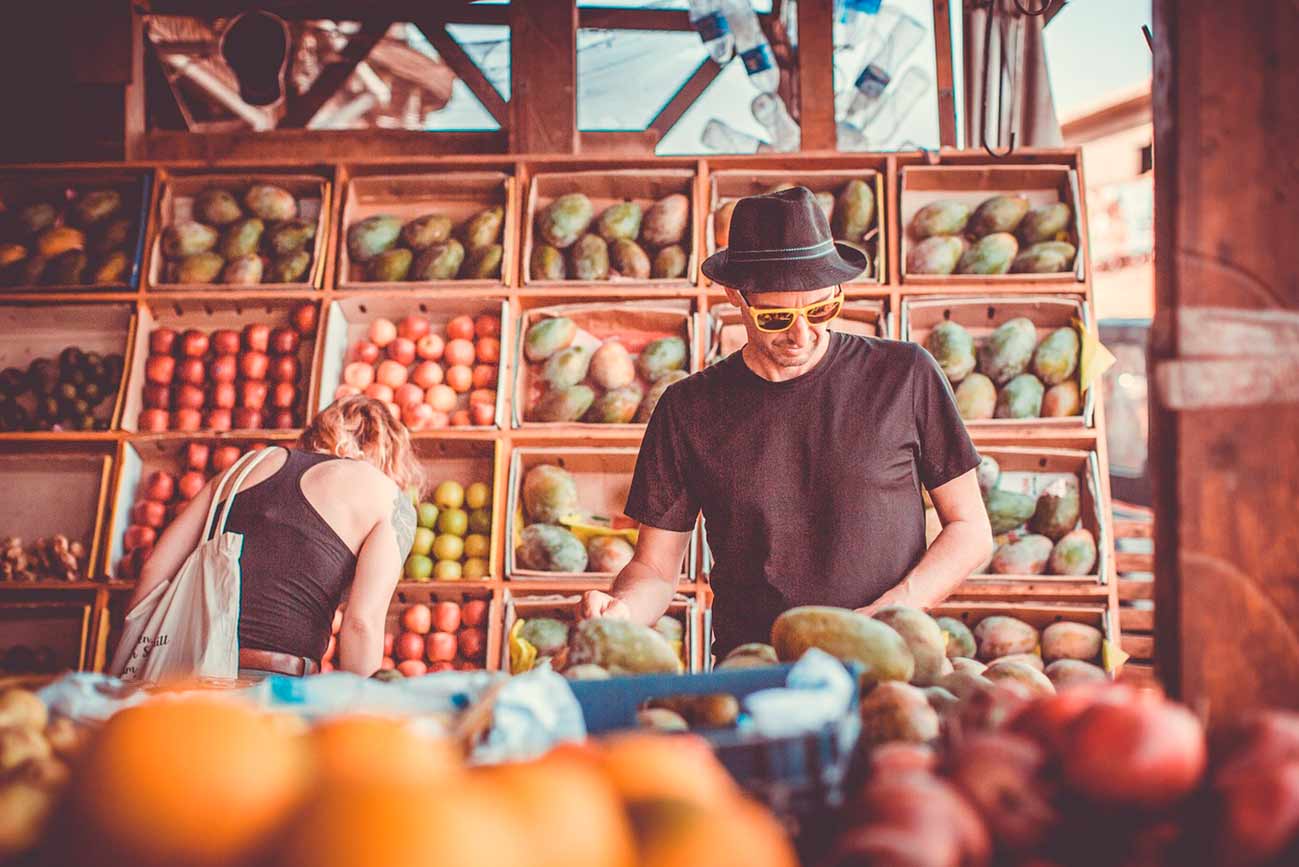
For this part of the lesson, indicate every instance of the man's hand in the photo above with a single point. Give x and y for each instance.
(597, 603)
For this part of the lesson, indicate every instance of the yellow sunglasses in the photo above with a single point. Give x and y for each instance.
(773, 320)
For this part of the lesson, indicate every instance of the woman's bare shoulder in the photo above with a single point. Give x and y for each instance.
(361, 482)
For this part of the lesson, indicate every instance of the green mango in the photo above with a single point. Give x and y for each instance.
(589, 258)
(617, 406)
(200, 268)
(943, 217)
(991, 254)
(988, 472)
(629, 260)
(270, 203)
(547, 263)
(1074, 554)
(825, 201)
(549, 493)
(1056, 357)
(112, 235)
(37, 217)
(656, 391)
(439, 262)
(996, 215)
(959, 638)
(567, 367)
(953, 348)
(423, 232)
(187, 238)
(661, 356)
(483, 230)
(1062, 401)
(666, 221)
(548, 548)
(564, 404)
(976, 398)
(620, 222)
(113, 268)
(66, 268)
(669, 263)
(609, 554)
(547, 634)
(1048, 257)
(854, 211)
(548, 336)
(371, 236)
(241, 238)
(565, 220)
(97, 205)
(936, 255)
(1044, 222)
(1057, 511)
(622, 648)
(1025, 556)
(847, 635)
(1008, 510)
(390, 266)
(291, 236)
(486, 263)
(1008, 350)
(1020, 398)
(290, 268)
(217, 207)
(612, 365)
(243, 270)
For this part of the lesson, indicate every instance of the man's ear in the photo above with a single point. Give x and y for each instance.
(733, 296)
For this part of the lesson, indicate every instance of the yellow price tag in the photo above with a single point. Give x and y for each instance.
(1094, 358)
(523, 655)
(1112, 657)
(585, 530)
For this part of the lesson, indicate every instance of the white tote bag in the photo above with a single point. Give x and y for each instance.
(189, 626)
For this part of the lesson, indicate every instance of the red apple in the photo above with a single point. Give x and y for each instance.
(364, 350)
(162, 341)
(471, 642)
(194, 344)
(223, 458)
(441, 397)
(441, 647)
(482, 395)
(284, 369)
(157, 396)
(253, 394)
(153, 420)
(388, 639)
(284, 341)
(257, 337)
(402, 351)
(460, 378)
(460, 352)
(159, 486)
(149, 513)
(187, 420)
(417, 618)
(466, 665)
(225, 341)
(482, 414)
(488, 350)
(358, 374)
(407, 394)
(224, 368)
(284, 395)
(192, 371)
(390, 373)
(430, 347)
(460, 418)
(218, 419)
(190, 397)
(417, 416)
(224, 395)
(473, 612)
(379, 391)
(446, 616)
(484, 375)
(440, 666)
(283, 420)
(191, 484)
(139, 537)
(426, 374)
(487, 325)
(197, 455)
(247, 419)
(413, 327)
(160, 369)
(304, 319)
(412, 668)
(253, 365)
(461, 328)
(440, 420)
(394, 410)
(382, 332)
(410, 646)
(387, 664)
(346, 391)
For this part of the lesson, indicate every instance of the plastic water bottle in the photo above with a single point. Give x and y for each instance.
(714, 30)
(875, 76)
(721, 137)
(752, 45)
(852, 19)
(882, 120)
(850, 138)
(769, 110)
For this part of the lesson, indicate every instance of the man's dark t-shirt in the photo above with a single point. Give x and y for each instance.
(810, 487)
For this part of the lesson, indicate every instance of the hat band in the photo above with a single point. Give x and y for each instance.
(813, 251)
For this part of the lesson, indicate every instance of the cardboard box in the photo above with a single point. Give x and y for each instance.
(430, 594)
(466, 462)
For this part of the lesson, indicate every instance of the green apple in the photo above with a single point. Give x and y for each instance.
(478, 495)
(476, 545)
(448, 547)
(453, 521)
(480, 521)
(418, 567)
(449, 495)
(475, 569)
(447, 570)
(423, 541)
(428, 515)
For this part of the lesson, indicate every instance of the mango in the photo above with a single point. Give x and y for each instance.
(666, 221)
(622, 648)
(550, 548)
(96, 205)
(1008, 350)
(547, 634)
(1056, 357)
(1062, 401)
(37, 217)
(390, 266)
(999, 635)
(991, 254)
(270, 203)
(1067, 673)
(183, 239)
(1074, 554)
(565, 220)
(200, 268)
(620, 222)
(1032, 660)
(617, 406)
(894, 712)
(953, 348)
(549, 494)
(722, 223)
(943, 217)
(825, 201)
(753, 655)
(291, 236)
(1008, 510)
(660, 357)
(66, 268)
(217, 207)
(1020, 398)
(608, 554)
(1044, 222)
(589, 258)
(846, 635)
(1026, 556)
(112, 234)
(997, 215)
(612, 366)
(1068, 640)
(661, 719)
(713, 711)
(241, 238)
(854, 211)
(938, 254)
(564, 404)
(924, 639)
(485, 264)
(988, 472)
(966, 681)
(113, 268)
(670, 628)
(60, 239)
(547, 263)
(1037, 684)
(669, 263)
(291, 268)
(243, 270)
(957, 637)
(1057, 511)
(1047, 257)
(656, 391)
(629, 260)
(483, 230)
(439, 262)
(967, 665)
(548, 336)
(423, 232)
(585, 672)
(369, 237)
(567, 367)
(976, 397)
(11, 253)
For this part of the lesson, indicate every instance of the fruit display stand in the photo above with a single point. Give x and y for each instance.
(465, 462)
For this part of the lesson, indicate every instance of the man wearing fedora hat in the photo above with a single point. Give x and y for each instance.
(805, 450)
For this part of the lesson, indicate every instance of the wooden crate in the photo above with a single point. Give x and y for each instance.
(522, 605)
(430, 594)
(458, 195)
(604, 188)
(29, 331)
(1041, 615)
(51, 490)
(723, 327)
(971, 185)
(347, 320)
(207, 315)
(603, 478)
(464, 461)
(981, 315)
(727, 185)
(176, 202)
(635, 323)
(54, 635)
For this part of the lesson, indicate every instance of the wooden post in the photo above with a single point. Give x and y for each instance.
(1224, 454)
(543, 73)
(816, 76)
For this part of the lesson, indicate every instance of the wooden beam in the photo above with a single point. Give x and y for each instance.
(543, 73)
(1136, 619)
(816, 76)
(705, 73)
(300, 109)
(310, 144)
(639, 143)
(633, 19)
(946, 80)
(135, 105)
(467, 70)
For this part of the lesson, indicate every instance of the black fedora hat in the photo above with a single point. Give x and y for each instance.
(781, 242)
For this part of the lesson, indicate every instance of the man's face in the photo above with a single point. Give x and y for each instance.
(795, 346)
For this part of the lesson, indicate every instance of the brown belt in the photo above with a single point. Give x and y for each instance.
(280, 663)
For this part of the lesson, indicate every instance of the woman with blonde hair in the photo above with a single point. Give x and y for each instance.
(329, 518)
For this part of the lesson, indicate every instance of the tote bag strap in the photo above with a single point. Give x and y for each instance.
(235, 477)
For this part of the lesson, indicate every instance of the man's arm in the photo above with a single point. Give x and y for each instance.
(645, 586)
(964, 543)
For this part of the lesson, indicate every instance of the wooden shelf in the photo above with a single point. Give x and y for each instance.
(44, 586)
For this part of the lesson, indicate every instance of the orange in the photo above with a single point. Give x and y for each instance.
(735, 834)
(357, 748)
(677, 767)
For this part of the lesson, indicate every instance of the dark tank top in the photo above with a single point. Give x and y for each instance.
(294, 566)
